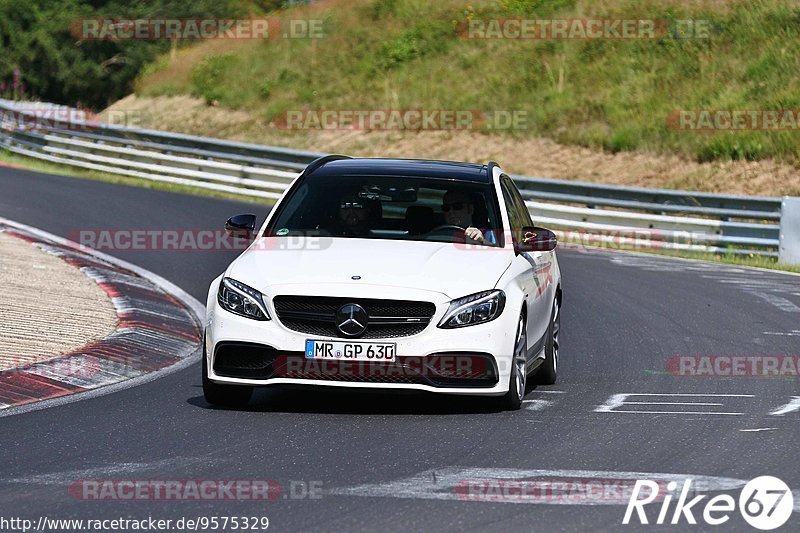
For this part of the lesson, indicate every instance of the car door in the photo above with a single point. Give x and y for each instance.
(521, 267)
(538, 275)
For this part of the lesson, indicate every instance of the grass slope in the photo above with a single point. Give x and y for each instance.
(609, 94)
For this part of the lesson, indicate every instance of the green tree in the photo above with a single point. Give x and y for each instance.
(42, 55)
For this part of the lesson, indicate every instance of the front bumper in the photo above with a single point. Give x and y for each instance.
(474, 360)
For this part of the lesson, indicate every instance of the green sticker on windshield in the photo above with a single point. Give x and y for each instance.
(282, 231)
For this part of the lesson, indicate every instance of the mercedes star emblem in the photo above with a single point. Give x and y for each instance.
(351, 320)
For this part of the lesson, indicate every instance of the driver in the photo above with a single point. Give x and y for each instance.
(458, 209)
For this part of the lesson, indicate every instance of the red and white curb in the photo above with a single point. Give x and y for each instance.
(159, 330)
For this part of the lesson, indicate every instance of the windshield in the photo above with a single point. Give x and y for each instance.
(385, 207)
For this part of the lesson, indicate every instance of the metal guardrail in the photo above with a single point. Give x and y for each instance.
(654, 200)
(580, 211)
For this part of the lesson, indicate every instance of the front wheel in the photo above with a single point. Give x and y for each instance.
(548, 371)
(518, 380)
(223, 395)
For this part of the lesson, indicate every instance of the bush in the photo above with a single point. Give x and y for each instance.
(208, 77)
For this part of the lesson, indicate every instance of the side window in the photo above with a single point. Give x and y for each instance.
(519, 202)
(513, 214)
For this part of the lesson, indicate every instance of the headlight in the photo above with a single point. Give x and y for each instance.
(474, 309)
(239, 299)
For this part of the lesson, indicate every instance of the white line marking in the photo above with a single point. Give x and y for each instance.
(443, 484)
(793, 334)
(551, 391)
(191, 302)
(619, 400)
(122, 469)
(676, 412)
(781, 303)
(673, 403)
(536, 405)
(793, 405)
(710, 395)
(619, 256)
(756, 430)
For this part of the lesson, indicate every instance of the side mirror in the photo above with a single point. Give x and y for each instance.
(535, 239)
(241, 226)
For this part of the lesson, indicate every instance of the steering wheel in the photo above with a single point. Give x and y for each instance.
(451, 227)
(459, 234)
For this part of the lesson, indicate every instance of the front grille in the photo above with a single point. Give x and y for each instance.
(254, 361)
(387, 318)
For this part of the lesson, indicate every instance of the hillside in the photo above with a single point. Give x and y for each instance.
(614, 97)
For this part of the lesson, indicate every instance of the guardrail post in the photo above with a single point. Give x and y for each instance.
(790, 231)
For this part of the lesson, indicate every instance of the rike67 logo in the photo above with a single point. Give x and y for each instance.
(765, 503)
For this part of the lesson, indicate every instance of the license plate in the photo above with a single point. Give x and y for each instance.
(350, 351)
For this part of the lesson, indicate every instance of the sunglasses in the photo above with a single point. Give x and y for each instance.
(351, 205)
(457, 206)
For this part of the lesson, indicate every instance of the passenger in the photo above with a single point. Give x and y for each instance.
(355, 215)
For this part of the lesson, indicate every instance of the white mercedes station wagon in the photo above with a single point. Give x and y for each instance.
(388, 274)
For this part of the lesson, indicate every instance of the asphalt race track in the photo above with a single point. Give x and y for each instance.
(389, 462)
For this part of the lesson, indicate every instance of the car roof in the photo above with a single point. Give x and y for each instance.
(445, 170)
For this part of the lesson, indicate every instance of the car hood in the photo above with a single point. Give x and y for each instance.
(450, 269)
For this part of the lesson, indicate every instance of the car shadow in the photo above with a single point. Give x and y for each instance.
(298, 399)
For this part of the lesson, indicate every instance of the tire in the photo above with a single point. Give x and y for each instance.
(548, 371)
(223, 395)
(518, 378)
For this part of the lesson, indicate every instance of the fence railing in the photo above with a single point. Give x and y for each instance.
(678, 220)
